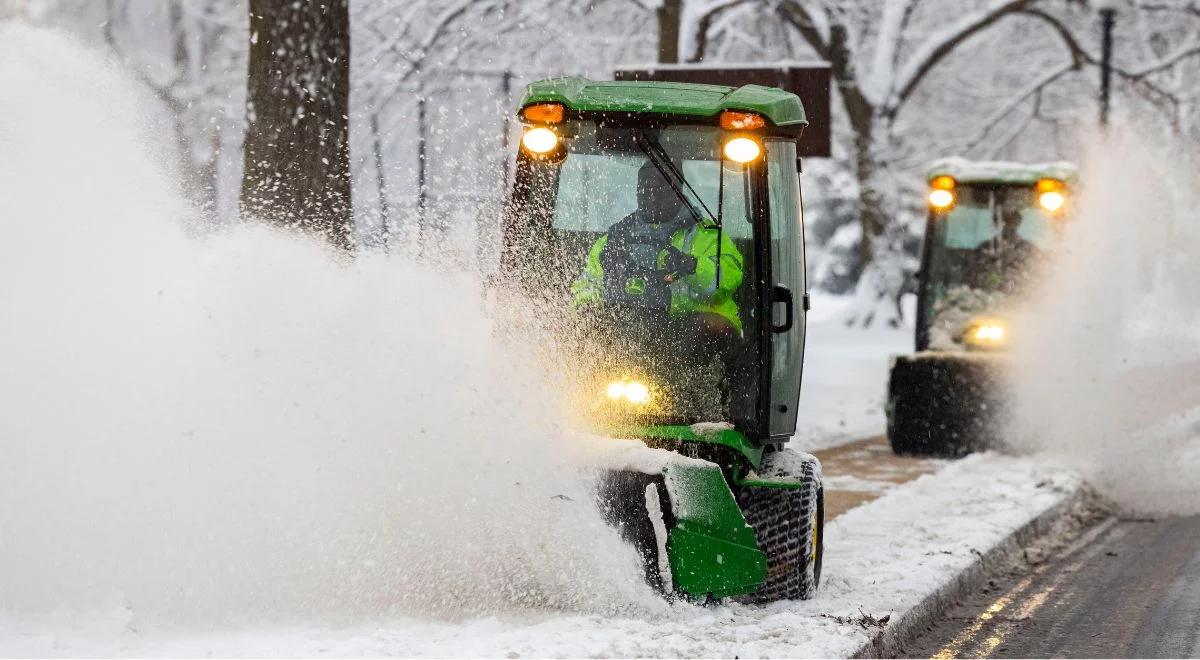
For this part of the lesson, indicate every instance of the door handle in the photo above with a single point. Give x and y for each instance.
(782, 294)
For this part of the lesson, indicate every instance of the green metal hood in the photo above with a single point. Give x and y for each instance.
(783, 109)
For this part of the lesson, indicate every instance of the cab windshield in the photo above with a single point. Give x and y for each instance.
(639, 240)
(986, 247)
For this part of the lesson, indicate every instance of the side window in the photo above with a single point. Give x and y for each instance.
(787, 279)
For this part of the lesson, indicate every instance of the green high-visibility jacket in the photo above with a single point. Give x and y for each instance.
(698, 292)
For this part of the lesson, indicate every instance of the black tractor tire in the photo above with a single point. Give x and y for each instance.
(789, 524)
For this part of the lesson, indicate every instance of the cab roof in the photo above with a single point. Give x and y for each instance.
(1002, 172)
(783, 109)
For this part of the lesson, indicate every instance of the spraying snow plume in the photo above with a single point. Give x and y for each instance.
(240, 428)
(1109, 364)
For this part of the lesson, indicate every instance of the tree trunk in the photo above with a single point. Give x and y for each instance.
(670, 17)
(385, 220)
(297, 151)
(871, 214)
(884, 265)
(212, 173)
(190, 177)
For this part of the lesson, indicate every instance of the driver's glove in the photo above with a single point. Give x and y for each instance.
(677, 263)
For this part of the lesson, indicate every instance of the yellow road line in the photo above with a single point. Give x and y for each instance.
(954, 648)
(1027, 609)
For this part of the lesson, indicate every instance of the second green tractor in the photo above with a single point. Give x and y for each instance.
(991, 232)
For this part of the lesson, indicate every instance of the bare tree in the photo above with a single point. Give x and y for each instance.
(297, 151)
(191, 82)
(421, 59)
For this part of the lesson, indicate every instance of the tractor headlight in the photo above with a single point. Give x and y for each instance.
(1051, 200)
(941, 199)
(539, 140)
(637, 393)
(616, 390)
(941, 192)
(631, 391)
(1051, 194)
(742, 149)
(986, 334)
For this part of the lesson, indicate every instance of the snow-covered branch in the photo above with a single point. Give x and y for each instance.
(438, 28)
(815, 32)
(1139, 76)
(1190, 50)
(1005, 111)
(896, 16)
(942, 43)
(697, 27)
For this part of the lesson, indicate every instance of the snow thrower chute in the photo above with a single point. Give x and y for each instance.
(991, 227)
(656, 228)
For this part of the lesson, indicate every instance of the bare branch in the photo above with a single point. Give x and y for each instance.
(1138, 77)
(436, 31)
(1005, 111)
(944, 42)
(1167, 62)
(705, 24)
(798, 16)
(1078, 52)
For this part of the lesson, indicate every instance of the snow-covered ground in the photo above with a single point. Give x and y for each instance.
(882, 559)
(845, 375)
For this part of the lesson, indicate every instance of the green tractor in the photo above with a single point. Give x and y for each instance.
(654, 231)
(990, 231)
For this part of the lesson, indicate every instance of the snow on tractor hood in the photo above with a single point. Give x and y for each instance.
(1003, 172)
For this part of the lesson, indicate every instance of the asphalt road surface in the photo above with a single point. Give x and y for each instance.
(1125, 588)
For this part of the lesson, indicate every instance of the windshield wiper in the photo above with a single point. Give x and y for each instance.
(658, 156)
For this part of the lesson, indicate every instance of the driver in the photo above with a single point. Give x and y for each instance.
(658, 258)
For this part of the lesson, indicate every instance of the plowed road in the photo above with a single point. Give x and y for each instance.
(1127, 588)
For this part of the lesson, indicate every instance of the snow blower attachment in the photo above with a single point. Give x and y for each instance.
(991, 227)
(654, 230)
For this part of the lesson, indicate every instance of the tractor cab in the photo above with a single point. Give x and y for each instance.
(991, 227)
(658, 226)
(653, 242)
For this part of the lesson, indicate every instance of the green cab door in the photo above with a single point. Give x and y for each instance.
(787, 287)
